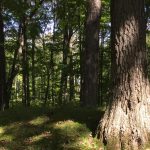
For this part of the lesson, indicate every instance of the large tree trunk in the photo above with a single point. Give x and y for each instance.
(125, 124)
(90, 72)
(2, 63)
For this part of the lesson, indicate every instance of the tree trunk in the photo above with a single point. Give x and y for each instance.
(125, 124)
(81, 55)
(100, 97)
(90, 73)
(14, 70)
(64, 73)
(33, 68)
(52, 75)
(2, 63)
(71, 78)
(48, 84)
(52, 55)
(25, 65)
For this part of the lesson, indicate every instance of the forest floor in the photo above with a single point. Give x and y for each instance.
(67, 128)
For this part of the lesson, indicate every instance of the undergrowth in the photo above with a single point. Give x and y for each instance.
(65, 128)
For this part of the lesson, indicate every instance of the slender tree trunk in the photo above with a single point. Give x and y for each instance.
(63, 82)
(33, 69)
(101, 70)
(125, 124)
(81, 57)
(25, 65)
(64, 73)
(52, 76)
(71, 78)
(52, 55)
(48, 84)
(2, 63)
(48, 67)
(13, 71)
(90, 73)
(44, 57)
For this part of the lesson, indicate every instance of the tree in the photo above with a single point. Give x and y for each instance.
(90, 70)
(2, 62)
(25, 58)
(126, 121)
(68, 22)
(14, 70)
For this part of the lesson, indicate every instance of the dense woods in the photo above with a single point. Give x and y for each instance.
(73, 61)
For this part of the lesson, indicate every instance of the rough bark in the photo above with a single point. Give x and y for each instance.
(2, 63)
(90, 73)
(125, 124)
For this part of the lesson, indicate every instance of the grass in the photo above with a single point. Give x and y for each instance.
(66, 128)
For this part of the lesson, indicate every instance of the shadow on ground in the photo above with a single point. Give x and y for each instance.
(69, 128)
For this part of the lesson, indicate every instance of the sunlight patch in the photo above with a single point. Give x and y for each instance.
(71, 130)
(75, 135)
(67, 124)
(37, 138)
(2, 130)
(7, 138)
(39, 120)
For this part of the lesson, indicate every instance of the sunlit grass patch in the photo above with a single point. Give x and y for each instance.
(39, 120)
(67, 128)
(2, 130)
(71, 126)
(36, 138)
(8, 132)
(73, 135)
(7, 138)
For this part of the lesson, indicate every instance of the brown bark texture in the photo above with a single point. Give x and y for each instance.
(126, 123)
(90, 58)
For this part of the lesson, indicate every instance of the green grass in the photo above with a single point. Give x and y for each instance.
(67, 128)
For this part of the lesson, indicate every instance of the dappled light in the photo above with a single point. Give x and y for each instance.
(40, 130)
(74, 74)
(39, 120)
